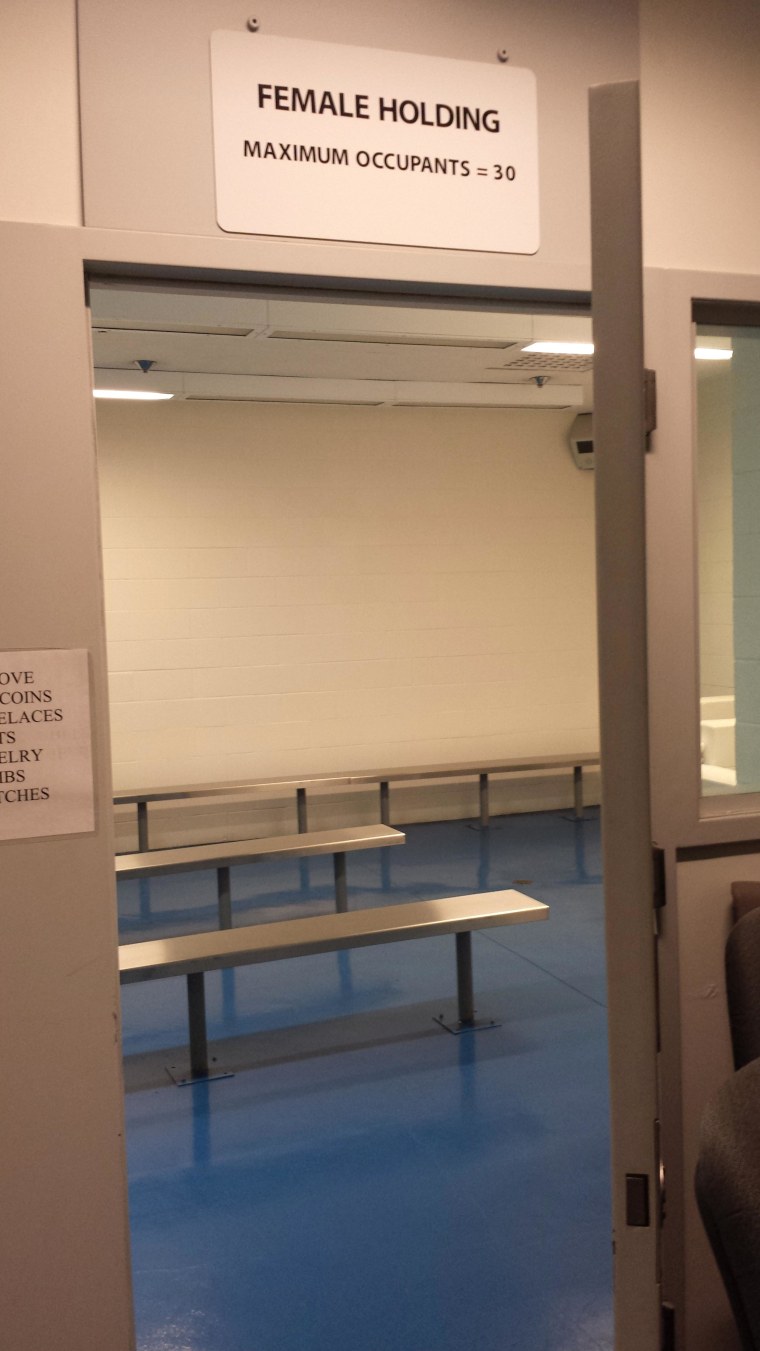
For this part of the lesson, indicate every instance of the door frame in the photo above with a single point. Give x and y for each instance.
(61, 257)
(620, 440)
(705, 841)
(668, 1023)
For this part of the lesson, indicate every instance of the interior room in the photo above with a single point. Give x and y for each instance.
(358, 535)
(355, 535)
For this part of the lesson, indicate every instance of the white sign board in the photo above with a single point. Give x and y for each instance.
(46, 785)
(319, 141)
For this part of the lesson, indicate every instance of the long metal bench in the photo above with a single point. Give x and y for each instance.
(222, 857)
(482, 770)
(194, 954)
(233, 788)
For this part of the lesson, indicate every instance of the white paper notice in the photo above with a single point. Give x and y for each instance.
(320, 141)
(46, 784)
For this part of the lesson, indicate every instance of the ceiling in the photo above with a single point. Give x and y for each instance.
(232, 343)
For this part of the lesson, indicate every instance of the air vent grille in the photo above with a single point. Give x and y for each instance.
(199, 330)
(541, 361)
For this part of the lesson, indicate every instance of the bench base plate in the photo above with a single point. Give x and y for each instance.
(455, 1026)
(181, 1075)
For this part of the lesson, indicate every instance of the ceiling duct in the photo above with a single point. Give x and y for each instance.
(262, 398)
(392, 339)
(408, 403)
(203, 331)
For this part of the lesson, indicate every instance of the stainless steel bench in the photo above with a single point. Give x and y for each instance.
(222, 857)
(482, 770)
(233, 788)
(194, 954)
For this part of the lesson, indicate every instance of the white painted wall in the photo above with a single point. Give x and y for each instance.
(40, 176)
(294, 590)
(147, 141)
(700, 109)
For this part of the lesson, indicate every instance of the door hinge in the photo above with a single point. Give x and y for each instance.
(659, 891)
(637, 1200)
(650, 403)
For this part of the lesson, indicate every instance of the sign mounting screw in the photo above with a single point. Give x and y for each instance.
(502, 55)
(252, 25)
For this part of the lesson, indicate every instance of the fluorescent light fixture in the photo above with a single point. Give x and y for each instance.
(130, 394)
(563, 349)
(713, 353)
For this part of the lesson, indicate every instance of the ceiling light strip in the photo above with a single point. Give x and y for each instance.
(143, 394)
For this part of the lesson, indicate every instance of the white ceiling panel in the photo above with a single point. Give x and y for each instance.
(215, 343)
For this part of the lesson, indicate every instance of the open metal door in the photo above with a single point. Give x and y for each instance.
(620, 448)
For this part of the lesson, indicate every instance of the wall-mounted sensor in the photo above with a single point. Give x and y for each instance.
(582, 441)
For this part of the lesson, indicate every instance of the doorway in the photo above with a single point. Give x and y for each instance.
(357, 534)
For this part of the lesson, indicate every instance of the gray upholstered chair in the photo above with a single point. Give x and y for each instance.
(728, 1193)
(745, 896)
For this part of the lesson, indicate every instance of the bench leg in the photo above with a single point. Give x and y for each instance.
(303, 826)
(142, 828)
(465, 997)
(578, 791)
(224, 894)
(341, 887)
(484, 860)
(196, 1017)
(466, 1020)
(196, 1020)
(485, 806)
(385, 802)
(143, 846)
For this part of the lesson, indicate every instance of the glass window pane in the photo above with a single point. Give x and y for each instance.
(727, 360)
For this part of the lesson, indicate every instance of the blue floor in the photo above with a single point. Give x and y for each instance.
(365, 1181)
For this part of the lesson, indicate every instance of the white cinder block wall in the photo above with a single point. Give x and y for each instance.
(294, 589)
